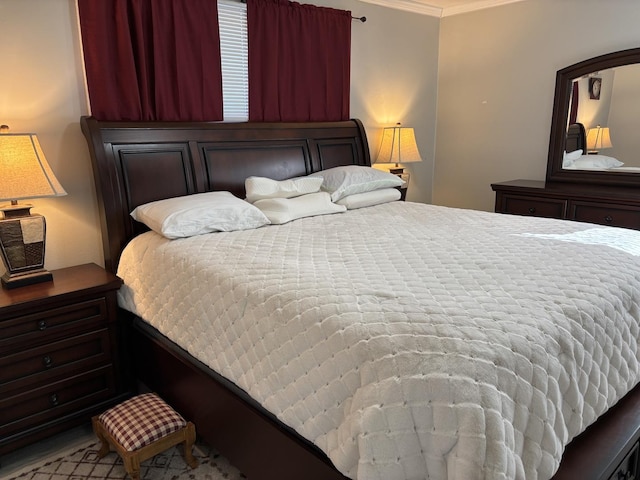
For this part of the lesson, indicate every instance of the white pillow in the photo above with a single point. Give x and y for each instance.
(199, 213)
(261, 187)
(585, 162)
(569, 158)
(352, 179)
(283, 210)
(368, 199)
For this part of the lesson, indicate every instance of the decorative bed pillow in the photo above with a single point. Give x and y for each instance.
(368, 199)
(259, 188)
(594, 161)
(569, 158)
(283, 210)
(352, 179)
(198, 214)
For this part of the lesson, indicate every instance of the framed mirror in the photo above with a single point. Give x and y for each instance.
(597, 110)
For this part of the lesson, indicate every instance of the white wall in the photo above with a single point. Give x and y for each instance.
(42, 91)
(394, 79)
(624, 116)
(394, 73)
(496, 81)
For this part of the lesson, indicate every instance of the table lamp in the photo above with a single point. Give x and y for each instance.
(597, 138)
(25, 173)
(398, 146)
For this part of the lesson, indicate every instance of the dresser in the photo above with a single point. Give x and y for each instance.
(59, 355)
(601, 204)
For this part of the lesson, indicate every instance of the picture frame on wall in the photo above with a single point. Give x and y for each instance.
(595, 87)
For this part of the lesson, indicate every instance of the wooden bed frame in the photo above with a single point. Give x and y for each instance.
(576, 138)
(135, 163)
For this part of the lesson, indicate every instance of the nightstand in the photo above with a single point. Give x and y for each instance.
(59, 356)
(403, 192)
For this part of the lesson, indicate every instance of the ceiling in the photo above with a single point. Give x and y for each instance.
(440, 8)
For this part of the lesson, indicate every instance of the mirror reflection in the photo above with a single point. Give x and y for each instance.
(607, 104)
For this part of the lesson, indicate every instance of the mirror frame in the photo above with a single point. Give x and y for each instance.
(564, 79)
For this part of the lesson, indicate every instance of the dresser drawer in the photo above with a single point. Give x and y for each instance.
(54, 400)
(47, 362)
(533, 206)
(50, 324)
(605, 214)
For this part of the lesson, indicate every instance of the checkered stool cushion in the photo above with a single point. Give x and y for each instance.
(141, 420)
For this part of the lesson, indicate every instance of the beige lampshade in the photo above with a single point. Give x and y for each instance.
(24, 170)
(598, 138)
(398, 146)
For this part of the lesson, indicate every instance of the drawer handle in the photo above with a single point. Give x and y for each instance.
(48, 361)
(532, 210)
(54, 400)
(608, 219)
(42, 324)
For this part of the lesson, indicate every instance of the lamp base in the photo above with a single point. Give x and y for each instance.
(399, 171)
(23, 279)
(22, 242)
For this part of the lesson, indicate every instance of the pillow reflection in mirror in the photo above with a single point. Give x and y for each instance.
(569, 158)
(597, 162)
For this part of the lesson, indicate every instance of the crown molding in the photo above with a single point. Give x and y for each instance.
(415, 6)
(472, 7)
(421, 6)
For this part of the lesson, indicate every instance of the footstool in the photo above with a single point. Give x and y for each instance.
(142, 427)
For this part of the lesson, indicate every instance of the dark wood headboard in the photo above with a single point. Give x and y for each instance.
(576, 138)
(139, 162)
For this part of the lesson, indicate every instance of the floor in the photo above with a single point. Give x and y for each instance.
(19, 459)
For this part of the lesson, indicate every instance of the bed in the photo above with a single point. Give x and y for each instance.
(135, 163)
(577, 158)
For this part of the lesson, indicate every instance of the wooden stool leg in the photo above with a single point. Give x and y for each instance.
(190, 438)
(98, 430)
(132, 465)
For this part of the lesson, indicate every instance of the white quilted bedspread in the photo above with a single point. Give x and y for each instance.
(409, 341)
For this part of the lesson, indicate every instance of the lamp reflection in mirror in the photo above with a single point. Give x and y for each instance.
(398, 146)
(597, 139)
(25, 173)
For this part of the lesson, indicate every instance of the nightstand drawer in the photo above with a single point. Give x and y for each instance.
(50, 324)
(60, 362)
(533, 206)
(50, 361)
(67, 396)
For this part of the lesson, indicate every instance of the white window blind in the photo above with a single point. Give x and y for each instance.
(232, 18)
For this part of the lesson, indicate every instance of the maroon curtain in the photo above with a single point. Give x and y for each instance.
(299, 61)
(152, 59)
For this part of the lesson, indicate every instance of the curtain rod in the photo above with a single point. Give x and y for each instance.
(362, 19)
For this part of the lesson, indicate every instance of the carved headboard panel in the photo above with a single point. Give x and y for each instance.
(576, 138)
(139, 162)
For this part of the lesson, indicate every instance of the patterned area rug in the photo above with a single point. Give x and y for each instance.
(82, 463)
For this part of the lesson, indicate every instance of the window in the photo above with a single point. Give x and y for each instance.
(232, 18)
